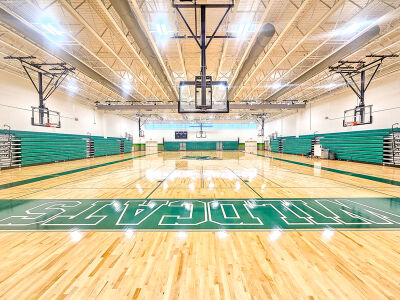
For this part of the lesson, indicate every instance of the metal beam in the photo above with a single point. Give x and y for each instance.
(175, 107)
(125, 12)
(74, 13)
(251, 43)
(28, 33)
(295, 19)
(341, 53)
(264, 36)
(298, 44)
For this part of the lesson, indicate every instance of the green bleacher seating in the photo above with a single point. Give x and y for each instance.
(298, 145)
(363, 146)
(275, 145)
(44, 147)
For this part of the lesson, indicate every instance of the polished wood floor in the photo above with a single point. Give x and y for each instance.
(200, 265)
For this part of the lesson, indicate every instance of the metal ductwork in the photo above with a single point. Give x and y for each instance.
(124, 10)
(150, 107)
(340, 54)
(28, 33)
(265, 35)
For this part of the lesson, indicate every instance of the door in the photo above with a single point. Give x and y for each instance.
(219, 146)
(183, 147)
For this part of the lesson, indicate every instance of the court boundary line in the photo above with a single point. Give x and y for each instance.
(73, 171)
(362, 176)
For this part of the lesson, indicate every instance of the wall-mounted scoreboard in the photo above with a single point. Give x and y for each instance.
(181, 135)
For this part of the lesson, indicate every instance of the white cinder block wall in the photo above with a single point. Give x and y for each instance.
(383, 94)
(17, 95)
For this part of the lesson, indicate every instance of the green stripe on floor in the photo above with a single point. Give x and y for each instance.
(40, 178)
(363, 176)
(201, 214)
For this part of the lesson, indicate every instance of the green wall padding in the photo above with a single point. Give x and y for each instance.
(230, 145)
(204, 145)
(171, 146)
(201, 146)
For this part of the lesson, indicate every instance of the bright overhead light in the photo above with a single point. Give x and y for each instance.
(243, 29)
(50, 27)
(126, 86)
(161, 29)
(221, 86)
(352, 28)
(328, 86)
(72, 86)
(158, 27)
(164, 29)
(276, 85)
(240, 29)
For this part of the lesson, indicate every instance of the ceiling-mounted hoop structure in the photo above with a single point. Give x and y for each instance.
(349, 70)
(203, 84)
(50, 118)
(55, 72)
(260, 118)
(201, 134)
(141, 125)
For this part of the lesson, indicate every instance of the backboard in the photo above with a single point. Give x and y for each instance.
(191, 98)
(360, 115)
(141, 133)
(188, 3)
(201, 135)
(45, 117)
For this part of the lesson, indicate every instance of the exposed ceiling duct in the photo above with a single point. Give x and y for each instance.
(265, 35)
(175, 107)
(124, 10)
(28, 33)
(340, 54)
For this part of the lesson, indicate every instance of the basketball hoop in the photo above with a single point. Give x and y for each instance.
(349, 124)
(51, 124)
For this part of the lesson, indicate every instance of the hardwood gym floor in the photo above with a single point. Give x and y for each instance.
(200, 225)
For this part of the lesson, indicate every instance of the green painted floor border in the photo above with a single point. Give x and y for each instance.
(363, 176)
(36, 179)
(208, 214)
